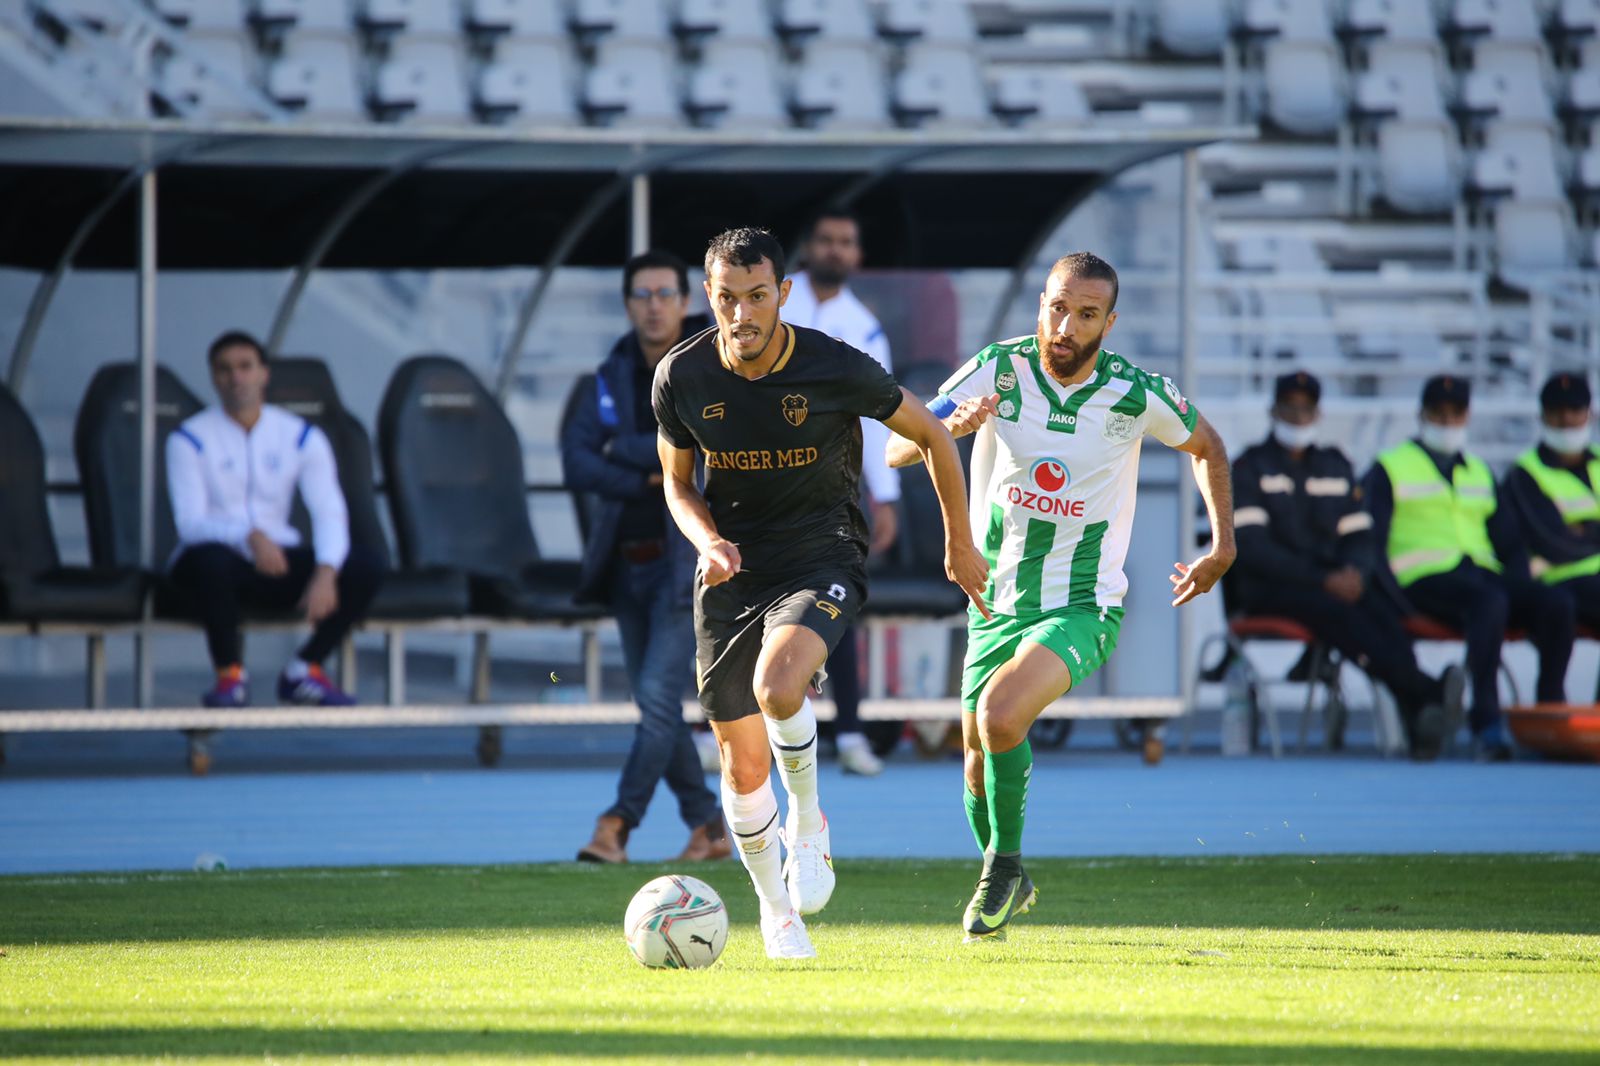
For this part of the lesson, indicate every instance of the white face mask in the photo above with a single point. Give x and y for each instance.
(1292, 436)
(1572, 441)
(1446, 440)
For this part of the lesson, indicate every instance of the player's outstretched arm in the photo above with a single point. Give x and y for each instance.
(1211, 474)
(719, 559)
(962, 562)
(966, 418)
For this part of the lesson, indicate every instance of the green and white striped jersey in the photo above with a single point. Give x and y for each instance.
(1060, 494)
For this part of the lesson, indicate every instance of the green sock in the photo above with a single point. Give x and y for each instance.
(1005, 779)
(977, 817)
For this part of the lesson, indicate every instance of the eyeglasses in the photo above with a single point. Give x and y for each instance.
(665, 293)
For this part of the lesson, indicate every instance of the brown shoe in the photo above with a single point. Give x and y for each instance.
(610, 836)
(708, 843)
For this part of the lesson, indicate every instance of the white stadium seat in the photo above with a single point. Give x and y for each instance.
(424, 80)
(1533, 237)
(829, 20)
(1192, 27)
(633, 83)
(929, 21)
(1306, 89)
(1295, 20)
(1501, 20)
(941, 87)
(209, 74)
(204, 14)
(1419, 165)
(734, 87)
(335, 15)
(1394, 20)
(1405, 78)
(1511, 82)
(316, 76)
(1033, 97)
(529, 82)
(518, 18)
(841, 87)
(413, 17)
(1520, 159)
(99, 15)
(619, 20)
(1577, 18)
(725, 20)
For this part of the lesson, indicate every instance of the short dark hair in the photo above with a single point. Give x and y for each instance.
(1090, 266)
(234, 338)
(655, 258)
(746, 246)
(841, 213)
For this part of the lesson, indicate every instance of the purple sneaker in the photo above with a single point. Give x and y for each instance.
(313, 690)
(232, 689)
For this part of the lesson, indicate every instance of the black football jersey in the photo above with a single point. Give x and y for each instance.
(782, 453)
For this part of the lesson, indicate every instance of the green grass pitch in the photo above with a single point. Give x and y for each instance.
(1416, 960)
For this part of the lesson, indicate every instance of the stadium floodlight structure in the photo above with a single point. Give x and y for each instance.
(146, 195)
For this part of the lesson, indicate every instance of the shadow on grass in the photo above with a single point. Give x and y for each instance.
(1478, 893)
(88, 1043)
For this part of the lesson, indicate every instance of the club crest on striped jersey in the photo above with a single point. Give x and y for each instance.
(1050, 475)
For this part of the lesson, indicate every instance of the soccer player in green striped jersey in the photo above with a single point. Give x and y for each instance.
(1055, 471)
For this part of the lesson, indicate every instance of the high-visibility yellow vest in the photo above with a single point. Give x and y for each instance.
(1437, 523)
(1576, 501)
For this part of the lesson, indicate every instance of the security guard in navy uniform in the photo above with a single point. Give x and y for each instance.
(1306, 552)
(1459, 558)
(1554, 490)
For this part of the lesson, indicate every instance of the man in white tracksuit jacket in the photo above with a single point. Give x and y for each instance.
(232, 471)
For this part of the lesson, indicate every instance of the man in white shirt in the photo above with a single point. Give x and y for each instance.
(820, 298)
(232, 472)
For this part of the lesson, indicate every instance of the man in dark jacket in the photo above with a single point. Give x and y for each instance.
(1554, 490)
(636, 562)
(1306, 552)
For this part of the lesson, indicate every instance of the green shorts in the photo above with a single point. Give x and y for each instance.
(1084, 638)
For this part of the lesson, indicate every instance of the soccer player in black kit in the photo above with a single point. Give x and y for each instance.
(775, 410)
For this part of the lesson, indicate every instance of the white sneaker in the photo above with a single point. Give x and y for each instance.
(856, 757)
(808, 871)
(710, 755)
(786, 937)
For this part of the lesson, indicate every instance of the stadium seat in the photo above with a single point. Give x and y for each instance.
(1039, 97)
(632, 83)
(1521, 160)
(733, 87)
(1192, 27)
(1305, 83)
(1289, 20)
(1509, 82)
(827, 20)
(1533, 237)
(1501, 20)
(929, 21)
(529, 83)
(304, 386)
(210, 77)
(622, 20)
(517, 18)
(424, 80)
(315, 76)
(333, 16)
(841, 87)
(34, 586)
(453, 466)
(1419, 165)
(1394, 20)
(204, 14)
(1583, 94)
(725, 20)
(98, 16)
(105, 440)
(411, 17)
(940, 87)
(1577, 20)
(1404, 79)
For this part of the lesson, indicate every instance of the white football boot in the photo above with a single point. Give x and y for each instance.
(786, 937)
(808, 871)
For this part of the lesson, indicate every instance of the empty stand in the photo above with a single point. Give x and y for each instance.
(841, 87)
(733, 87)
(725, 20)
(829, 20)
(316, 76)
(423, 80)
(940, 86)
(529, 82)
(632, 84)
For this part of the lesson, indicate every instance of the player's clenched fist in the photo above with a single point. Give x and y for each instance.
(971, 414)
(719, 561)
(966, 567)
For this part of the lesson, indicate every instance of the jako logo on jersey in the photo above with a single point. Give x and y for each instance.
(794, 409)
(1050, 475)
(1058, 419)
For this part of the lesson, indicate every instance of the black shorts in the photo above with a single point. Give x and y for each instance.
(732, 620)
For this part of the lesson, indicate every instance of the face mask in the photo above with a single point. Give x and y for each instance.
(1572, 441)
(1294, 437)
(1446, 440)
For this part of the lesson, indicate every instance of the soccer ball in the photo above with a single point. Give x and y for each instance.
(676, 923)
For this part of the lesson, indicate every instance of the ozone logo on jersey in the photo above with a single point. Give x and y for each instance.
(1050, 475)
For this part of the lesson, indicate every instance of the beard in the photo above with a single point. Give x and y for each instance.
(826, 274)
(1064, 367)
(750, 355)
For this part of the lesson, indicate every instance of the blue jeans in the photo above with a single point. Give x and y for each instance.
(658, 648)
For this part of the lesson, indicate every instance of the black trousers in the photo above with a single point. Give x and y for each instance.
(1368, 632)
(1482, 604)
(844, 682)
(221, 582)
(1585, 594)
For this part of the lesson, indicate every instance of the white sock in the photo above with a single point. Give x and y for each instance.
(753, 820)
(794, 741)
(297, 669)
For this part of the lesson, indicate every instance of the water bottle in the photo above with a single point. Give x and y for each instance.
(1236, 709)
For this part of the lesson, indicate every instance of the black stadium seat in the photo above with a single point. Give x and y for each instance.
(34, 586)
(305, 386)
(453, 466)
